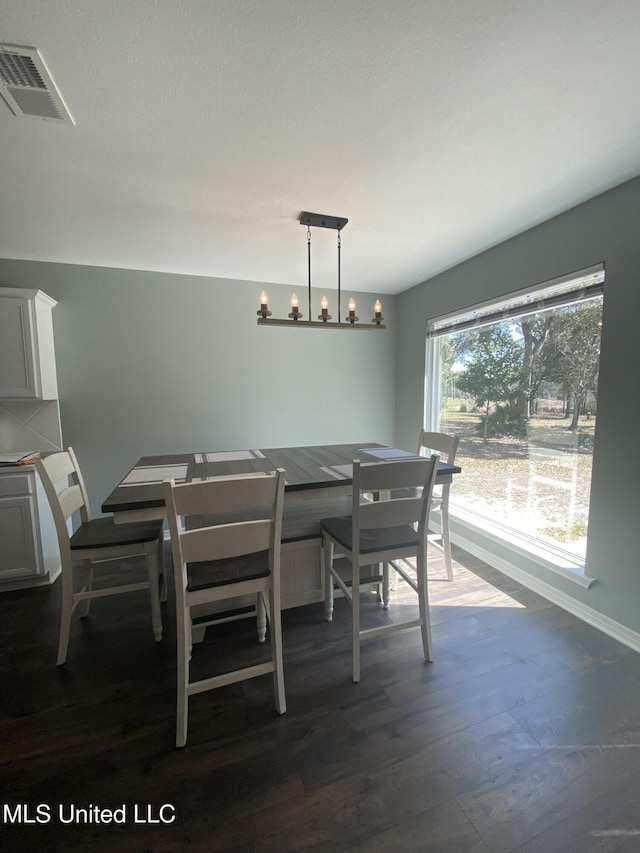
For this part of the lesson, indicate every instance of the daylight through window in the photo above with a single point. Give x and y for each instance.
(517, 380)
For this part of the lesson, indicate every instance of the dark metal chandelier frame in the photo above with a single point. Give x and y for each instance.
(318, 220)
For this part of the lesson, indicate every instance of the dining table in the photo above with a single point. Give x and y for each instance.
(311, 472)
(318, 483)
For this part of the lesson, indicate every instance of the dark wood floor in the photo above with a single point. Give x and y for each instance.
(523, 734)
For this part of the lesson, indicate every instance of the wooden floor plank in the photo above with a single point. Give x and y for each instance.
(545, 791)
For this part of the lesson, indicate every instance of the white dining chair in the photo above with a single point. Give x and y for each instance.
(445, 445)
(381, 531)
(95, 542)
(222, 561)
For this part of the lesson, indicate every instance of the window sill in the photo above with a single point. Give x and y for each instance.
(553, 559)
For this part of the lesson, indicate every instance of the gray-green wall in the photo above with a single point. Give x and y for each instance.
(605, 229)
(157, 363)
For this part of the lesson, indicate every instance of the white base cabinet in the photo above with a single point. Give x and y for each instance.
(29, 554)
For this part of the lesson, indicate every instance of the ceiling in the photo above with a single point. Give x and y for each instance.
(204, 127)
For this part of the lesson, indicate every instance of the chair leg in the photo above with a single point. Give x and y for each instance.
(65, 614)
(189, 632)
(182, 681)
(154, 590)
(423, 601)
(393, 582)
(162, 569)
(446, 540)
(275, 624)
(386, 585)
(87, 585)
(355, 619)
(261, 618)
(196, 635)
(327, 552)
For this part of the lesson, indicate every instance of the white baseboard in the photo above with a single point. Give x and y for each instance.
(555, 596)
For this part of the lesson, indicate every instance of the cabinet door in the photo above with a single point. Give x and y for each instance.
(17, 365)
(19, 556)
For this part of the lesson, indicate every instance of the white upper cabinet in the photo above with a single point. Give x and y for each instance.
(27, 356)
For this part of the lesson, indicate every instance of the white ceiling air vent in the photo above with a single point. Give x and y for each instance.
(27, 87)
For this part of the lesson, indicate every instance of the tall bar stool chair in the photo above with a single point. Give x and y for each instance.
(446, 445)
(222, 561)
(94, 542)
(379, 532)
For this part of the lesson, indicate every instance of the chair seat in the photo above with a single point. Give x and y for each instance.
(212, 573)
(103, 533)
(371, 541)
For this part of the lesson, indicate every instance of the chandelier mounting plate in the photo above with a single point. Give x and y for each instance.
(321, 220)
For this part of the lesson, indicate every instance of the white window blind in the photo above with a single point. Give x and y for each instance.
(565, 290)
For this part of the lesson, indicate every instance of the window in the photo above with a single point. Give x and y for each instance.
(517, 380)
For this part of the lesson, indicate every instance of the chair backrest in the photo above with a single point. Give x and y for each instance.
(439, 442)
(387, 480)
(64, 487)
(231, 539)
(548, 446)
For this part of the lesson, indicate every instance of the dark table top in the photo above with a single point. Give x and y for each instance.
(305, 467)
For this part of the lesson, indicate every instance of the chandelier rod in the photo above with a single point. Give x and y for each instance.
(309, 270)
(339, 246)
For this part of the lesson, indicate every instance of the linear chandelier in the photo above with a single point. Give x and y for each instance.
(324, 321)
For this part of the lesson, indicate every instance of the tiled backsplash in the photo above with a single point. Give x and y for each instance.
(29, 425)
